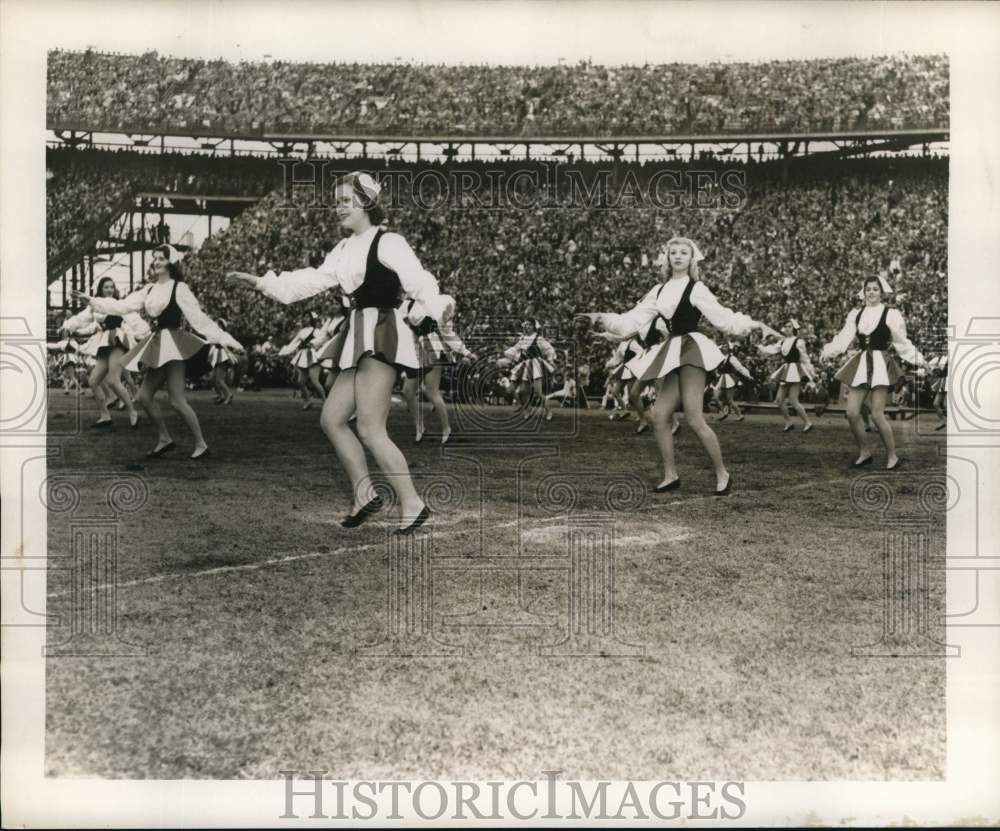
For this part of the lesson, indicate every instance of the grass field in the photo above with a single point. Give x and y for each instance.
(256, 609)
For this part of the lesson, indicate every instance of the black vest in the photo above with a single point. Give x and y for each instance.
(111, 322)
(686, 316)
(533, 351)
(793, 356)
(726, 366)
(171, 316)
(381, 288)
(880, 338)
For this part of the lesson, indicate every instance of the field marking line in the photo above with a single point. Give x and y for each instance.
(312, 555)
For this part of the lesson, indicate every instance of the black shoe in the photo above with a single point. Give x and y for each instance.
(788, 428)
(863, 462)
(100, 425)
(672, 485)
(725, 490)
(895, 466)
(422, 517)
(807, 428)
(201, 455)
(155, 454)
(366, 511)
(941, 426)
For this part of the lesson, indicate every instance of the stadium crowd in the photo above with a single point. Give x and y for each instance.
(150, 91)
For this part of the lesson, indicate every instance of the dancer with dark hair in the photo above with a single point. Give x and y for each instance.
(306, 361)
(111, 338)
(533, 360)
(796, 366)
(437, 347)
(872, 371)
(377, 270)
(165, 353)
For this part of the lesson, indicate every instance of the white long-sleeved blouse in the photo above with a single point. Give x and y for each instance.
(870, 317)
(155, 298)
(734, 362)
(345, 267)
(516, 352)
(665, 301)
(89, 321)
(450, 337)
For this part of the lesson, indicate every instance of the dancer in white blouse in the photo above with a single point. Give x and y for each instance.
(725, 387)
(221, 359)
(66, 356)
(681, 363)
(872, 368)
(795, 366)
(437, 346)
(166, 302)
(533, 359)
(376, 269)
(111, 338)
(306, 347)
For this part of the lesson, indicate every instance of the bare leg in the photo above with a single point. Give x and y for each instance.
(855, 401)
(432, 384)
(303, 380)
(692, 385)
(373, 384)
(338, 408)
(314, 381)
(536, 385)
(97, 375)
(879, 397)
(662, 414)
(178, 400)
(939, 407)
(733, 406)
(793, 397)
(219, 382)
(147, 400)
(411, 392)
(779, 399)
(114, 380)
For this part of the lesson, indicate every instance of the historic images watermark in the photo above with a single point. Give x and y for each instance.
(543, 186)
(309, 794)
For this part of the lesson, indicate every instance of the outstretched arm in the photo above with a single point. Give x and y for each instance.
(201, 322)
(842, 341)
(722, 318)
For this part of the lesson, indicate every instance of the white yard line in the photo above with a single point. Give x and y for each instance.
(349, 549)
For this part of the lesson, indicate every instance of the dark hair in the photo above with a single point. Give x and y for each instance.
(100, 286)
(373, 207)
(173, 269)
(317, 257)
(874, 280)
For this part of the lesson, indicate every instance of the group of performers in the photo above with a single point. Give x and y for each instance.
(391, 318)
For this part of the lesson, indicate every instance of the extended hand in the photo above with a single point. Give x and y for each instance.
(242, 277)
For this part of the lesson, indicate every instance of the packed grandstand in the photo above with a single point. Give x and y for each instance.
(154, 92)
(781, 243)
